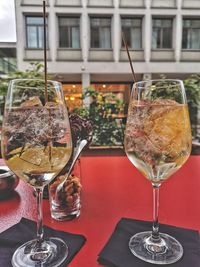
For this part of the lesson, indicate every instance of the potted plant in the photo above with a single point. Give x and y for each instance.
(103, 112)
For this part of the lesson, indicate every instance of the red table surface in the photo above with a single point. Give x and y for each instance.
(112, 189)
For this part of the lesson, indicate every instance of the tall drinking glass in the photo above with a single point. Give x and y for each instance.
(158, 143)
(36, 145)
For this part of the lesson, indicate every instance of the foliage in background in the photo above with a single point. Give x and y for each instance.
(192, 86)
(36, 70)
(103, 112)
(169, 90)
(107, 129)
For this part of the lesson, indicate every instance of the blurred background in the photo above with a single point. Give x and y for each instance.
(87, 54)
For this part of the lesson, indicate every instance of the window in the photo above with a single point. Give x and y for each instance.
(132, 29)
(162, 33)
(191, 34)
(69, 32)
(34, 32)
(73, 95)
(100, 33)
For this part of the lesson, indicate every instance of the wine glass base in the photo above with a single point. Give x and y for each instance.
(51, 253)
(168, 250)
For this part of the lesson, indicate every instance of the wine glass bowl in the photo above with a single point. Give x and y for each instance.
(36, 145)
(158, 143)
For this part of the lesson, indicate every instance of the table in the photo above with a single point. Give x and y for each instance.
(112, 189)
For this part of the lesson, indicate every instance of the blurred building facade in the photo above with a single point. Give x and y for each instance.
(85, 44)
(8, 62)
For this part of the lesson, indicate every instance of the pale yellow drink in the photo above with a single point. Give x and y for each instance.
(33, 165)
(36, 142)
(158, 137)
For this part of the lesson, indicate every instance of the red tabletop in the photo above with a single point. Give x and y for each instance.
(112, 189)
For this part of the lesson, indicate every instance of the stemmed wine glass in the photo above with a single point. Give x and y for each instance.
(36, 145)
(158, 143)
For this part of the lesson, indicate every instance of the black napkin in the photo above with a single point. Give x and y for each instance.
(25, 231)
(116, 252)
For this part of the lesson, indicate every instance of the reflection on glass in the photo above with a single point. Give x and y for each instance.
(36, 145)
(158, 143)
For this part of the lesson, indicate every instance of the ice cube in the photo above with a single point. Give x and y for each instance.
(52, 105)
(31, 102)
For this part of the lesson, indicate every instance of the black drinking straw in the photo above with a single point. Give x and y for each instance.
(129, 58)
(45, 50)
(45, 77)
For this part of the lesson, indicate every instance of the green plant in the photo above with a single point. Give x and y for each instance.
(103, 111)
(171, 90)
(192, 85)
(36, 70)
(192, 88)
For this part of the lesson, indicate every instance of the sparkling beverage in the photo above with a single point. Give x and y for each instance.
(33, 165)
(158, 137)
(36, 142)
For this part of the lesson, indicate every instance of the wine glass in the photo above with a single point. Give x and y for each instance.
(158, 143)
(36, 145)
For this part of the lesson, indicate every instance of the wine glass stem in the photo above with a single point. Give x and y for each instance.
(155, 229)
(40, 232)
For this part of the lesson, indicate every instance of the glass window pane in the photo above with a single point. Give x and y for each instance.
(105, 22)
(136, 22)
(126, 22)
(136, 38)
(101, 33)
(95, 38)
(167, 38)
(162, 33)
(156, 38)
(131, 22)
(34, 20)
(195, 23)
(167, 23)
(195, 38)
(95, 22)
(31, 37)
(75, 21)
(185, 39)
(63, 37)
(105, 41)
(191, 34)
(69, 32)
(63, 21)
(127, 36)
(186, 23)
(40, 37)
(69, 21)
(35, 32)
(75, 38)
(132, 30)
(157, 23)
